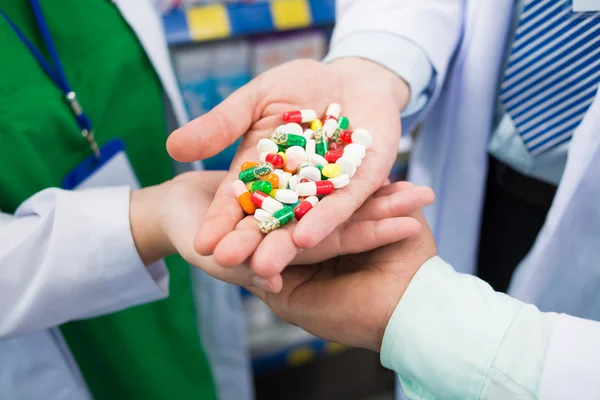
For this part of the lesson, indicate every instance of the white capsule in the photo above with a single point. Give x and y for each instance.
(311, 173)
(304, 165)
(293, 182)
(309, 134)
(286, 196)
(271, 205)
(329, 127)
(294, 129)
(267, 146)
(311, 147)
(356, 149)
(333, 110)
(260, 215)
(284, 180)
(348, 167)
(362, 136)
(340, 181)
(306, 189)
(318, 160)
(278, 172)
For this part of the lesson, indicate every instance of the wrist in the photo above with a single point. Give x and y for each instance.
(150, 239)
(374, 75)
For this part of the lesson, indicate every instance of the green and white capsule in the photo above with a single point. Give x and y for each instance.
(277, 220)
(322, 145)
(288, 139)
(255, 173)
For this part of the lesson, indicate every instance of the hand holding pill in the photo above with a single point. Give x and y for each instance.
(295, 91)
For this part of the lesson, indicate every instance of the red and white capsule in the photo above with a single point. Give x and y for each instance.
(300, 116)
(333, 111)
(262, 200)
(305, 206)
(314, 188)
(275, 159)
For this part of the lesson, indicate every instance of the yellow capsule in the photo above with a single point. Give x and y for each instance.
(247, 165)
(331, 170)
(273, 193)
(274, 179)
(282, 154)
(316, 124)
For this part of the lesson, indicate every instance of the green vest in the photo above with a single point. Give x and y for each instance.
(151, 351)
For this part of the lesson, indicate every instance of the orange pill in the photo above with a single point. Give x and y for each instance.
(243, 196)
(273, 179)
(248, 165)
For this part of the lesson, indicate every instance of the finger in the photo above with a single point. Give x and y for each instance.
(361, 236)
(211, 133)
(274, 252)
(395, 205)
(337, 207)
(221, 218)
(393, 188)
(237, 246)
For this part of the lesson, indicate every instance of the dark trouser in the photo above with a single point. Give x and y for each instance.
(514, 211)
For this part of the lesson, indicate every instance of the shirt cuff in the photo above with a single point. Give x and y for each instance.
(93, 255)
(407, 60)
(452, 336)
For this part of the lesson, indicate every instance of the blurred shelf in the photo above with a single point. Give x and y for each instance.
(297, 354)
(219, 21)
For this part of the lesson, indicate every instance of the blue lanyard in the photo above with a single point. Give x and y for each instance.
(57, 74)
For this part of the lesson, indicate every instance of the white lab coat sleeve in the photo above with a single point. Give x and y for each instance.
(435, 26)
(572, 369)
(68, 255)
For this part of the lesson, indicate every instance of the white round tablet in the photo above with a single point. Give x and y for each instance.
(278, 172)
(286, 196)
(294, 129)
(340, 181)
(266, 146)
(357, 149)
(352, 158)
(362, 136)
(348, 167)
(296, 151)
(284, 180)
(316, 159)
(293, 182)
(311, 173)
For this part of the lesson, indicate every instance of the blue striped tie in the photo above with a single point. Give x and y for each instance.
(552, 74)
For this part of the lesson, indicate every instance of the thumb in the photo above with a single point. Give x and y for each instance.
(212, 132)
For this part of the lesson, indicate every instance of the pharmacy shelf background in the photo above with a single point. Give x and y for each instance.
(218, 21)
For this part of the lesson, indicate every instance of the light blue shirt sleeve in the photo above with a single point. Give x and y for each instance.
(453, 336)
(397, 54)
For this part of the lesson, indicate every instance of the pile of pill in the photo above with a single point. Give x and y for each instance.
(304, 159)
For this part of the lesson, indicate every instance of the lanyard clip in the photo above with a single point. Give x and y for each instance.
(74, 103)
(89, 136)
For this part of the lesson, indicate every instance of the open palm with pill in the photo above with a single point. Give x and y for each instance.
(369, 95)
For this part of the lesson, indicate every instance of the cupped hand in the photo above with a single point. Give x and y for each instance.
(371, 97)
(350, 299)
(165, 218)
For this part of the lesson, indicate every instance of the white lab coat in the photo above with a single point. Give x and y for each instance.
(36, 364)
(561, 273)
(465, 40)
